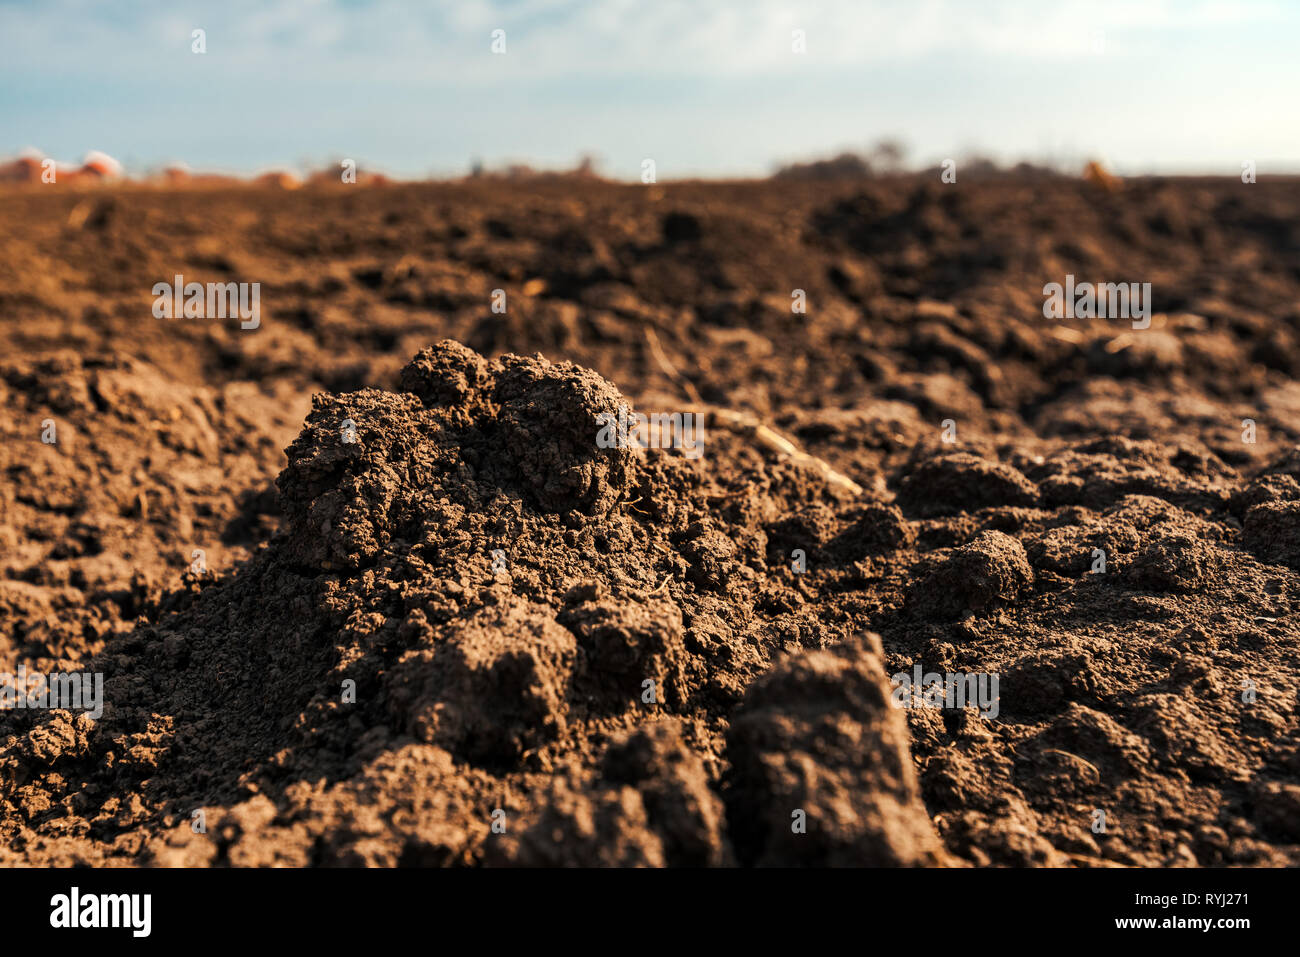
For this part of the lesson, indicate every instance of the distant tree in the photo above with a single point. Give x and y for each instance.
(845, 166)
(888, 155)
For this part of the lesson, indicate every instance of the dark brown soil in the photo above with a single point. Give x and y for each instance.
(475, 636)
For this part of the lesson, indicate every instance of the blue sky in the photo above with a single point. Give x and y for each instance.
(703, 88)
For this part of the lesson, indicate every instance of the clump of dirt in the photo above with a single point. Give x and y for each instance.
(817, 739)
(991, 569)
(1271, 532)
(962, 482)
(462, 569)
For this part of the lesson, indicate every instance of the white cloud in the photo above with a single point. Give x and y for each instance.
(554, 38)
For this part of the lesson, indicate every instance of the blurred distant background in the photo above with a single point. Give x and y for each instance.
(705, 89)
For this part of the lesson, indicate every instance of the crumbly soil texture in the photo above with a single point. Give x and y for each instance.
(365, 589)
